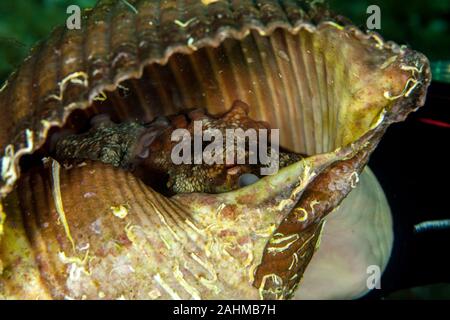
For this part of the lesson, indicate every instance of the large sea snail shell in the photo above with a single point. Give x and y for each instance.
(98, 232)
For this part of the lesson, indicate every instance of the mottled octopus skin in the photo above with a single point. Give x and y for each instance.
(148, 147)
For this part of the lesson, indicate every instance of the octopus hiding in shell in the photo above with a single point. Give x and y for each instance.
(109, 215)
(147, 148)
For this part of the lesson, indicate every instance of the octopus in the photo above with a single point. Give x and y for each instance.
(146, 149)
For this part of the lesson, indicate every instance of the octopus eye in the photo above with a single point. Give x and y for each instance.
(144, 153)
(145, 141)
(247, 179)
(148, 138)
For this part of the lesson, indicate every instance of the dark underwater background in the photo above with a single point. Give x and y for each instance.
(412, 161)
